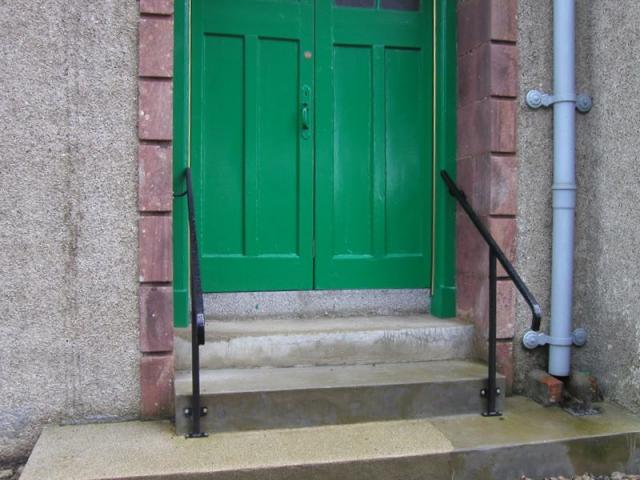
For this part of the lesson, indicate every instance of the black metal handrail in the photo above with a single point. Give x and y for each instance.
(196, 411)
(495, 253)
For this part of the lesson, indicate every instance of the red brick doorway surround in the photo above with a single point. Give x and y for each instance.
(487, 170)
(487, 162)
(155, 133)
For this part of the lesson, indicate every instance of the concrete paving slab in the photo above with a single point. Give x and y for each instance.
(529, 440)
(151, 450)
(526, 421)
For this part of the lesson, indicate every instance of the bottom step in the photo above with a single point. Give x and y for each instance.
(529, 440)
(264, 398)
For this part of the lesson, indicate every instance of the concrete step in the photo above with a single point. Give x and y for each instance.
(530, 440)
(265, 398)
(278, 342)
(316, 303)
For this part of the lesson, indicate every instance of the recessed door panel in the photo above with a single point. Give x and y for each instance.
(406, 147)
(252, 165)
(352, 147)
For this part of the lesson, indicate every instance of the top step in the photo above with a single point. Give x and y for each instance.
(316, 303)
(288, 342)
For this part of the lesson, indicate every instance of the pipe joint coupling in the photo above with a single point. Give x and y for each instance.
(532, 339)
(564, 195)
(536, 99)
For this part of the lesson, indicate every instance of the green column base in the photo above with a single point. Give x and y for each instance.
(180, 308)
(443, 302)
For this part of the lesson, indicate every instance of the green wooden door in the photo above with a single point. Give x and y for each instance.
(252, 158)
(275, 82)
(373, 143)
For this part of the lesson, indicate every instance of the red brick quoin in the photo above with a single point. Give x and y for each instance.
(155, 133)
(487, 164)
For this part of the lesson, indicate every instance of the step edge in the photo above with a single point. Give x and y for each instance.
(183, 380)
(211, 333)
(296, 390)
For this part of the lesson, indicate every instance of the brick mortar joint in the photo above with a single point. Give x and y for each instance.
(146, 78)
(500, 98)
(154, 143)
(158, 78)
(506, 98)
(465, 53)
(497, 41)
(461, 54)
(155, 15)
(151, 213)
(157, 354)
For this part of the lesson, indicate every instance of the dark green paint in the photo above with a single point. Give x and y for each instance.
(252, 166)
(379, 231)
(443, 291)
(373, 147)
(180, 160)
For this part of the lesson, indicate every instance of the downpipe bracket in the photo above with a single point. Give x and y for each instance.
(532, 339)
(537, 99)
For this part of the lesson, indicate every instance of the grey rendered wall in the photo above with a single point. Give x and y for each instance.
(68, 234)
(607, 274)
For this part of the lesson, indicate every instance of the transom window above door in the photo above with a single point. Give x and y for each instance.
(412, 5)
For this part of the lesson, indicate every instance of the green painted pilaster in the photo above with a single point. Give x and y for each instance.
(180, 161)
(443, 302)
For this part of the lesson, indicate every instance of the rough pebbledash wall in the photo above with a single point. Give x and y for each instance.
(68, 216)
(607, 246)
(487, 163)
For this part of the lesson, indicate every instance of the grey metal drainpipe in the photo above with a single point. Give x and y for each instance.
(565, 102)
(564, 183)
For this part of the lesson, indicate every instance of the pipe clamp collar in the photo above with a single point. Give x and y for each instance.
(532, 339)
(536, 99)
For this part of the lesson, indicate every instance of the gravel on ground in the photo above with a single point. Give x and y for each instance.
(589, 476)
(10, 473)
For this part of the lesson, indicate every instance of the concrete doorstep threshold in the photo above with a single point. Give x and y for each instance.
(529, 440)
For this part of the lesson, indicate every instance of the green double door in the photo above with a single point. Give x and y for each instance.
(311, 143)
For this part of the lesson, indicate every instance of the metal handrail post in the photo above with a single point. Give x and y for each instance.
(197, 317)
(491, 391)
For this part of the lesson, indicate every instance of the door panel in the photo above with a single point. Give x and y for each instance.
(373, 146)
(253, 167)
(406, 147)
(352, 148)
